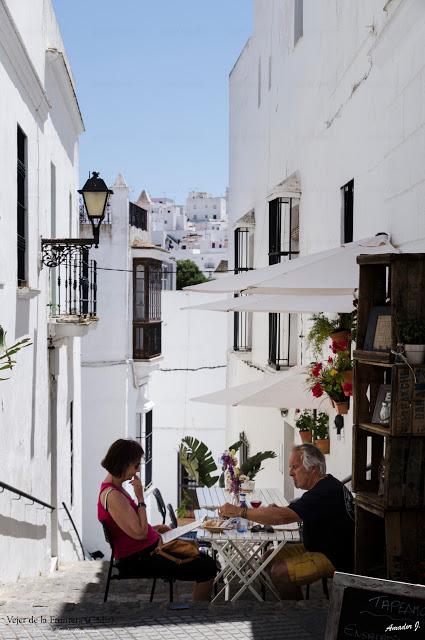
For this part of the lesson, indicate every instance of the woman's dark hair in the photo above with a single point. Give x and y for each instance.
(120, 455)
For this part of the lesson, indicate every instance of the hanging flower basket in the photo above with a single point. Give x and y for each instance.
(347, 383)
(323, 445)
(341, 338)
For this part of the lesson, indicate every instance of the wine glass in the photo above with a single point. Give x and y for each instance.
(255, 501)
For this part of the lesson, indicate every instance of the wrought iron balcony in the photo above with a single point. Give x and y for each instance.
(73, 279)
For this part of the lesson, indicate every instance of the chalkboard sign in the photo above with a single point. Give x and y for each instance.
(372, 609)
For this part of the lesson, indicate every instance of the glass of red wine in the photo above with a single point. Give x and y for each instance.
(255, 501)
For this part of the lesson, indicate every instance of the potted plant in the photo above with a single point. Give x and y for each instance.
(412, 335)
(327, 379)
(304, 423)
(323, 329)
(344, 365)
(321, 432)
(184, 511)
(343, 328)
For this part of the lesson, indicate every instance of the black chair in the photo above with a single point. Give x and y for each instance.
(160, 503)
(123, 576)
(172, 514)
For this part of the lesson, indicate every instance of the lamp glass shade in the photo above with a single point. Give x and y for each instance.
(95, 203)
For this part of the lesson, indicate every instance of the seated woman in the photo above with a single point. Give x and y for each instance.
(133, 537)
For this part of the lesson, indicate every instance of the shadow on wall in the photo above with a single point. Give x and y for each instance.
(67, 537)
(10, 527)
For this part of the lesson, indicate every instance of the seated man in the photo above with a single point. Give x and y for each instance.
(327, 513)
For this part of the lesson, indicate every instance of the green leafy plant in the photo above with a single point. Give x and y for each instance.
(198, 461)
(321, 426)
(252, 465)
(322, 328)
(305, 421)
(185, 506)
(411, 331)
(188, 274)
(320, 331)
(7, 353)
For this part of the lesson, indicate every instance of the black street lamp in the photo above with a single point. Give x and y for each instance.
(55, 251)
(95, 195)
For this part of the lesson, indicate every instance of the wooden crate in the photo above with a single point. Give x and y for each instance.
(407, 396)
(408, 404)
(399, 277)
(391, 545)
(404, 476)
(370, 557)
(405, 545)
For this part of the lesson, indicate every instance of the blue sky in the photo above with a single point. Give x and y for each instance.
(152, 83)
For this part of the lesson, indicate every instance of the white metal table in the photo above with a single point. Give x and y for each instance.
(210, 498)
(242, 557)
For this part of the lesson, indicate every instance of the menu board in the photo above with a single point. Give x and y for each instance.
(375, 609)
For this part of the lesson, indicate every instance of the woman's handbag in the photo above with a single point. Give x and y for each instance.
(178, 551)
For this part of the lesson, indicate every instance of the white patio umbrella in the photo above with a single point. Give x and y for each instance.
(280, 304)
(287, 389)
(331, 272)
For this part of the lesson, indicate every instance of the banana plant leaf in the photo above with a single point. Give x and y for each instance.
(198, 461)
(252, 465)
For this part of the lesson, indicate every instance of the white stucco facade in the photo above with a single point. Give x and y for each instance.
(346, 102)
(40, 403)
(194, 349)
(116, 386)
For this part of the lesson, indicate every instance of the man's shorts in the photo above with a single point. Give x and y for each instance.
(305, 566)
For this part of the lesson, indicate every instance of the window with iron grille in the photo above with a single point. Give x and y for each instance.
(147, 280)
(283, 245)
(22, 223)
(242, 320)
(347, 214)
(145, 437)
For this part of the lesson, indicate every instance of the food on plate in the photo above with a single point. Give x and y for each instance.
(213, 522)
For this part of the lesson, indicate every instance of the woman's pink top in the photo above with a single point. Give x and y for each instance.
(124, 545)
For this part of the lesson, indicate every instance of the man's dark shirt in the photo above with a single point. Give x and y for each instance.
(327, 513)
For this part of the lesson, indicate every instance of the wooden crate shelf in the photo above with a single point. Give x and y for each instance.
(403, 486)
(390, 527)
(390, 544)
(407, 396)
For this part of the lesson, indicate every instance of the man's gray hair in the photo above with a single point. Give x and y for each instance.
(311, 457)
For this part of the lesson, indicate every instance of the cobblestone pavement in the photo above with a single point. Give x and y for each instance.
(69, 604)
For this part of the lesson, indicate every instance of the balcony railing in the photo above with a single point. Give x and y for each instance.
(146, 340)
(73, 285)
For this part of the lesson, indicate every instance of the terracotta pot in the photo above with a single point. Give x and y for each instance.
(340, 336)
(305, 436)
(341, 408)
(348, 379)
(323, 445)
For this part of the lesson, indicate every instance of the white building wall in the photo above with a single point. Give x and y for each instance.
(31, 83)
(192, 342)
(346, 102)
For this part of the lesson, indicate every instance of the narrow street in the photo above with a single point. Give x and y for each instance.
(69, 604)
